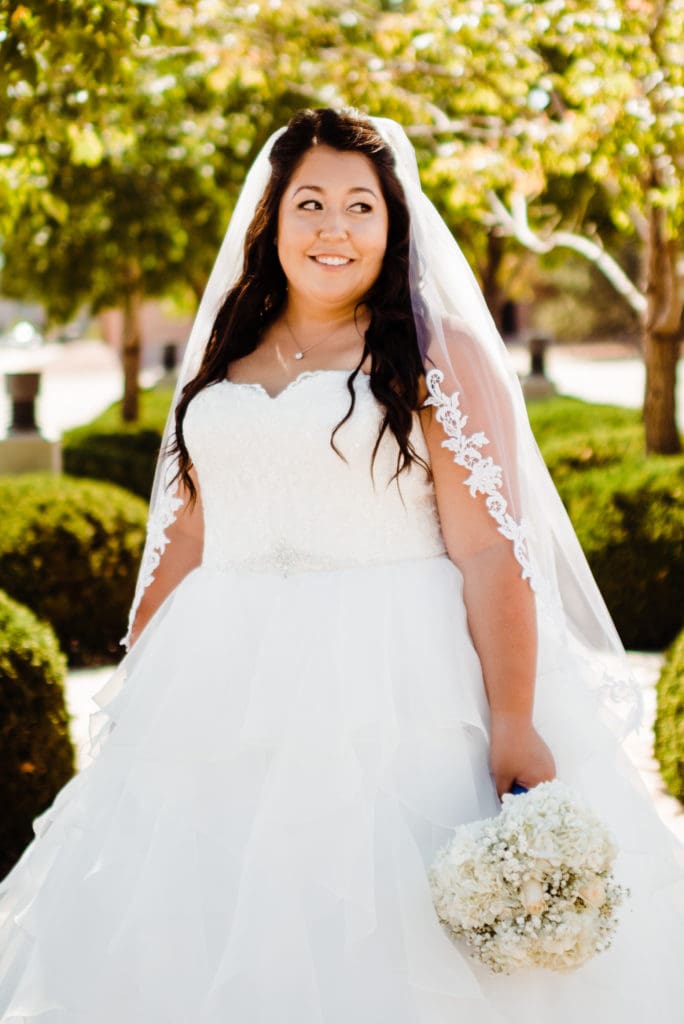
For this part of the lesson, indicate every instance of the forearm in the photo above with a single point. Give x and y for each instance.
(153, 598)
(182, 554)
(502, 621)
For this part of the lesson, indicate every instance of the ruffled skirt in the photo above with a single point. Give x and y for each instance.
(277, 762)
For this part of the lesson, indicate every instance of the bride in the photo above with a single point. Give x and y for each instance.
(362, 616)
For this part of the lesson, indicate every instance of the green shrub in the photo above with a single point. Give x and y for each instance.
(70, 549)
(629, 517)
(124, 458)
(562, 418)
(36, 755)
(122, 453)
(627, 509)
(669, 723)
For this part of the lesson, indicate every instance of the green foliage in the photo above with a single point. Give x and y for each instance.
(630, 522)
(574, 301)
(123, 457)
(669, 723)
(562, 419)
(576, 437)
(70, 549)
(123, 454)
(57, 61)
(36, 755)
(627, 509)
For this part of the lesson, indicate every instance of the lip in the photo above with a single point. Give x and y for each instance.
(318, 256)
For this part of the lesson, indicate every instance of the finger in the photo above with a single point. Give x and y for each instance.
(503, 784)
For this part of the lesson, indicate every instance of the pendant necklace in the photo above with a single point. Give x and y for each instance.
(301, 352)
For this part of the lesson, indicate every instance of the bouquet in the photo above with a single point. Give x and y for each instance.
(532, 887)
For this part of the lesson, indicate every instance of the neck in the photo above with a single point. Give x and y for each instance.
(310, 319)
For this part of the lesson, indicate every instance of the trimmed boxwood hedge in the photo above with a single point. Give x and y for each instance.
(629, 518)
(627, 509)
(124, 454)
(36, 754)
(124, 458)
(70, 550)
(669, 723)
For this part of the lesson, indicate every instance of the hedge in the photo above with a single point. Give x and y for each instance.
(124, 458)
(669, 723)
(629, 518)
(70, 550)
(121, 453)
(36, 754)
(627, 509)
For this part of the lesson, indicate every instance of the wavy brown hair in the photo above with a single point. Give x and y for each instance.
(259, 296)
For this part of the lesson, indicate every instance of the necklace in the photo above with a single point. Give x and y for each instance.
(301, 352)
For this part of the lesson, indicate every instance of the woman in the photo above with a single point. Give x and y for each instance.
(336, 651)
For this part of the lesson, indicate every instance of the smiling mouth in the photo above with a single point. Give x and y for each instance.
(332, 261)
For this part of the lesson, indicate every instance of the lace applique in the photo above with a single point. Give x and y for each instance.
(155, 544)
(485, 476)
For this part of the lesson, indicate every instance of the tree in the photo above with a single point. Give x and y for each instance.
(614, 89)
(575, 106)
(58, 62)
(132, 203)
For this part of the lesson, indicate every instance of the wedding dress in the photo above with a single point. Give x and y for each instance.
(281, 755)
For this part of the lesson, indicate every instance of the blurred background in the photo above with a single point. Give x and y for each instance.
(551, 137)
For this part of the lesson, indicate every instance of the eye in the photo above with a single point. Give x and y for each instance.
(361, 207)
(310, 204)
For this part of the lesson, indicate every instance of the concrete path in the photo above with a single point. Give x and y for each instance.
(82, 684)
(602, 372)
(80, 379)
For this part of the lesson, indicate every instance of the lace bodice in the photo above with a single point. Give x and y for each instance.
(275, 495)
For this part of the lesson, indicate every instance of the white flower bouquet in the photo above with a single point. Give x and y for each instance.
(532, 887)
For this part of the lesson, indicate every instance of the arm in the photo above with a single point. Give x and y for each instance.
(181, 556)
(501, 615)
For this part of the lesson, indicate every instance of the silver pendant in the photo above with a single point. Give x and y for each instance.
(299, 355)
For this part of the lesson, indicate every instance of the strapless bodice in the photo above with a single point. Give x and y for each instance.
(277, 498)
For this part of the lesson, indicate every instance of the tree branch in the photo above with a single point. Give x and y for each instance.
(515, 223)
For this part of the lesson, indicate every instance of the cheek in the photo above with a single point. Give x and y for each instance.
(377, 245)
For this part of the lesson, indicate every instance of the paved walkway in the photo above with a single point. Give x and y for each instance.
(80, 379)
(82, 684)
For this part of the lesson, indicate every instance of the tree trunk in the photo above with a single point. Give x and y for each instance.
(131, 355)
(661, 338)
(491, 288)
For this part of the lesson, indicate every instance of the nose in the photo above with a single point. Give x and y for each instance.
(333, 225)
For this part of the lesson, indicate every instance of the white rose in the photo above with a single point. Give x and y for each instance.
(533, 896)
(593, 893)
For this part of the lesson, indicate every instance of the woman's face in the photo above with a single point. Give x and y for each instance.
(332, 228)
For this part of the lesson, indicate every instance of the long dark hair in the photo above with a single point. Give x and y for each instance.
(259, 296)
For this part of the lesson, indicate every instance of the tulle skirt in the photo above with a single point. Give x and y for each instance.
(277, 762)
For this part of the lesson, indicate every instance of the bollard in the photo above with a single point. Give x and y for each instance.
(538, 347)
(22, 389)
(169, 357)
(24, 450)
(536, 384)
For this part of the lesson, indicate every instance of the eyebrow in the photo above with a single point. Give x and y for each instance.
(317, 188)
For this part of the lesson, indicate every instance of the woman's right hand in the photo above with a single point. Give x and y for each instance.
(518, 754)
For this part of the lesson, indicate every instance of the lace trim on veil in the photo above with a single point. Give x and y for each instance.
(155, 544)
(486, 477)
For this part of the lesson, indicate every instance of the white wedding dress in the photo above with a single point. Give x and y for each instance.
(283, 752)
